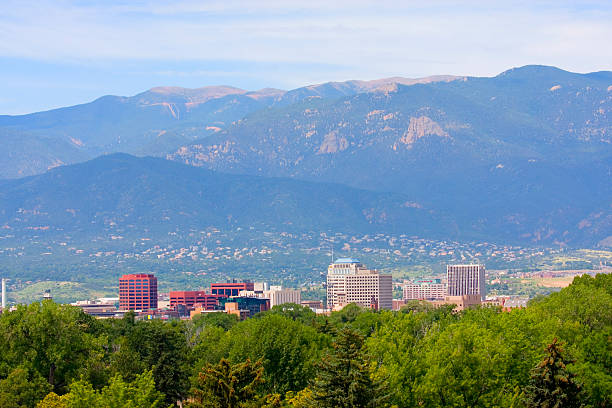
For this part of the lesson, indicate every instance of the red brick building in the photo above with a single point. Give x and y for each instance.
(190, 298)
(138, 292)
(230, 288)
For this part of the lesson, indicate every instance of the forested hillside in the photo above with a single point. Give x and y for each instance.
(557, 350)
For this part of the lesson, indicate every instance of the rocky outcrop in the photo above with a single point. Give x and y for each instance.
(332, 143)
(418, 128)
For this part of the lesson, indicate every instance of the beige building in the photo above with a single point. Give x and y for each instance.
(466, 280)
(349, 281)
(279, 296)
(461, 302)
(424, 289)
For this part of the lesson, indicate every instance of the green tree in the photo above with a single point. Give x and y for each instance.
(157, 346)
(227, 385)
(140, 393)
(22, 388)
(416, 306)
(295, 312)
(220, 319)
(52, 400)
(465, 365)
(552, 384)
(581, 315)
(287, 348)
(343, 379)
(54, 340)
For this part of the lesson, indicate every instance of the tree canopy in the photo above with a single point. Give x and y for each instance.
(55, 356)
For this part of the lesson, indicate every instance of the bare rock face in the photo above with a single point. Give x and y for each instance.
(418, 128)
(332, 143)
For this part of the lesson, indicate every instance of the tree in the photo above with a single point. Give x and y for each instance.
(295, 312)
(52, 400)
(220, 319)
(54, 340)
(465, 365)
(288, 350)
(344, 379)
(160, 347)
(227, 385)
(140, 393)
(22, 388)
(552, 384)
(416, 306)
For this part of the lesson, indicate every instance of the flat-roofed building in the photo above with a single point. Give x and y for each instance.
(312, 304)
(230, 288)
(254, 305)
(279, 296)
(466, 280)
(138, 292)
(349, 281)
(515, 303)
(461, 302)
(190, 298)
(98, 309)
(424, 289)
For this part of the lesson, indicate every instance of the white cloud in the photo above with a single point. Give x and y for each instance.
(365, 39)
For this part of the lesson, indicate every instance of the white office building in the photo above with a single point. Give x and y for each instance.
(279, 296)
(466, 280)
(424, 289)
(349, 281)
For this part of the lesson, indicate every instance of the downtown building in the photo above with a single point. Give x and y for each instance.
(138, 292)
(349, 281)
(191, 298)
(231, 288)
(466, 280)
(424, 289)
(280, 296)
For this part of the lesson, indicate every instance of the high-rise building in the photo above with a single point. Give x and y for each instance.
(230, 288)
(466, 280)
(349, 281)
(424, 289)
(138, 292)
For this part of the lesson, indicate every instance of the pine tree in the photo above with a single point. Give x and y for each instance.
(227, 385)
(343, 379)
(552, 385)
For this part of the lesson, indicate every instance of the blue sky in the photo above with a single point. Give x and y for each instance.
(59, 52)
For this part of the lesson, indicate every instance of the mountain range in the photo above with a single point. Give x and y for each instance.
(120, 192)
(154, 122)
(525, 156)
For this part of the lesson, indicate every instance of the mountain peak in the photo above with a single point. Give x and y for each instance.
(187, 95)
(537, 72)
(385, 83)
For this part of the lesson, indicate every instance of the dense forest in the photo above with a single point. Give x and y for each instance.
(555, 353)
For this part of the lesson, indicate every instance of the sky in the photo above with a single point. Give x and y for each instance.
(59, 52)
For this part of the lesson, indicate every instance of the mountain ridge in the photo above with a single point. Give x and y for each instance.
(119, 191)
(522, 156)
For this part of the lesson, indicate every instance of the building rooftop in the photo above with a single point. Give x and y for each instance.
(346, 260)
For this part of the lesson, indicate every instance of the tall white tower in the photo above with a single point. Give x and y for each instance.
(466, 280)
(3, 293)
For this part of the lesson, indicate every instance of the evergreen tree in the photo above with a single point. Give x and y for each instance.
(552, 385)
(227, 385)
(344, 377)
